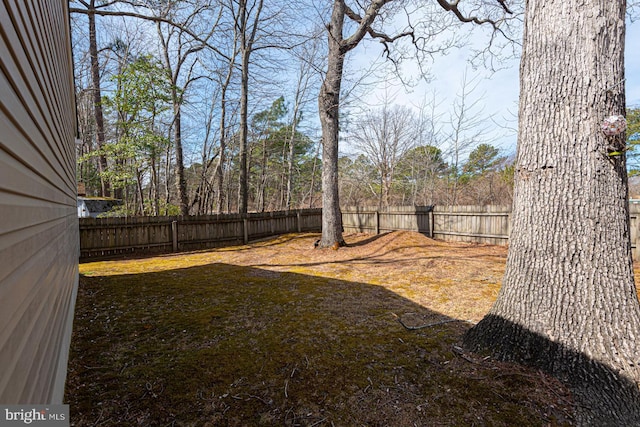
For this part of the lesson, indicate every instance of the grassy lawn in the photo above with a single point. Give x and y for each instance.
(278, 333)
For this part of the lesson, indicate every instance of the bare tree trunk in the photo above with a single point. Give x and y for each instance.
(568, 302)
(243, 188)
(219, 172)
(261, 187)
(155, 184)
(167, 178)
(381, 194)
(105, 190)
(282, 193)
(329, 103)
(292, 144)
(313, 176)
(181, 181)
(140, 191)
(247, 38)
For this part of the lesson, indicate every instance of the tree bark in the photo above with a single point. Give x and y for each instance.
(329, 102)
(568, 302)
(312, 185)
(261, 187)
(219, 172)
(155, 185)
(176, 101)
(243, 188)
(292, 145)
(181, 180)
(329, 107)
(247, 38)
(105, 188)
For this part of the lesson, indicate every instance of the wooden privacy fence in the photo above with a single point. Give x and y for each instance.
(491, 224)
(375, 221)
(479, 224)
(101, 237)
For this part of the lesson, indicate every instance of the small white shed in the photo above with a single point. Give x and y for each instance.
(91, 207)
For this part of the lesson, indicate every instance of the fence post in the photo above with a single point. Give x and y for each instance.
(299, 220)
(377, 222)
(174, 235)
(636, 256)
(272, 224)
(432, 222)
(245, 230)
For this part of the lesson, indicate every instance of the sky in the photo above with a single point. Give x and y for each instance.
(498, 92)
(632, 64)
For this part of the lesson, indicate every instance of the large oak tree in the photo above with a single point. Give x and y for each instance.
(363, 16)
(568, 302)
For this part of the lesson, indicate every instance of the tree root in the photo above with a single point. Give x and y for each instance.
(428, 325)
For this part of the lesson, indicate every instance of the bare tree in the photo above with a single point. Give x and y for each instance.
(258, 27)
(225, 79)
(91, 8)
(467, 129)
(568, 302)
(247, 20)
(306, 73)
(185, 28)
(329, 97)
(384, 135)
(178, 50)
(429, 151)
(204, 190)
(357, 176)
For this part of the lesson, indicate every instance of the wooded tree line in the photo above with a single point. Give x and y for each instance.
(409, 157)
(163, 105)
(205, 106)
(633, 143)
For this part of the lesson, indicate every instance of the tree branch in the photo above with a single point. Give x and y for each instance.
(364, 23)
(156, 19)
(453, 7)
(99, 6)
(373, 33)
(505, 7)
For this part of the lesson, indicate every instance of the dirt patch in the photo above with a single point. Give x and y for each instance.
(280, 333)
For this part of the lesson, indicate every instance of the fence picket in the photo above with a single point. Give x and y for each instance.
(101, 237)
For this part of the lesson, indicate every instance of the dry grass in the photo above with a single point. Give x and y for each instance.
(278, 333)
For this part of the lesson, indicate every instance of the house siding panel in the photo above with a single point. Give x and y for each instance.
(39, 242)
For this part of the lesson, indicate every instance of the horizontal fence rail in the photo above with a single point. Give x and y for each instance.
(102, 237)
(479, 224)
(375, 221)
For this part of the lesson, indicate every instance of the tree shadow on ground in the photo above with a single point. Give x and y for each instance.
(388, 253)
(224, 345)
(602, 396)
(368, 240)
